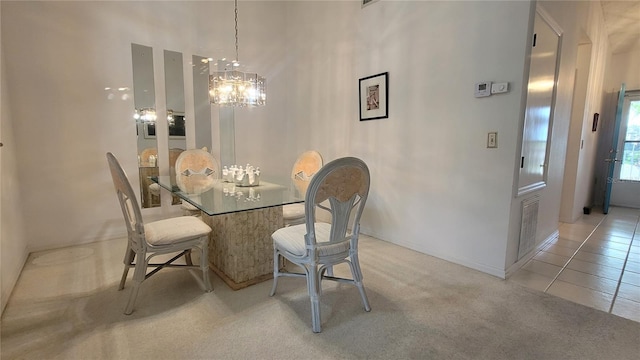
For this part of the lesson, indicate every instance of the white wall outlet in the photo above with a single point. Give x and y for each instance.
(492, 140)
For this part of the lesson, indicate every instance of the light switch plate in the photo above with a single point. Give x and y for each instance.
(492, 140)
(499, 88)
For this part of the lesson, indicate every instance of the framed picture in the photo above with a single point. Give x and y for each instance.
(368, 2)
(149, 130)
(594, 127)
(176, 128)
(374, 97)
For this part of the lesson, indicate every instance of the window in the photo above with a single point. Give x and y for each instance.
(630, 159)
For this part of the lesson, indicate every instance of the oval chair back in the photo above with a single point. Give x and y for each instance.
(195, 171)
(340, 187)
(167, 236)
(128, 202)
(344, 184)
(306, 165)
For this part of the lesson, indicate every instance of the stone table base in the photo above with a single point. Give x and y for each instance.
(240, 245)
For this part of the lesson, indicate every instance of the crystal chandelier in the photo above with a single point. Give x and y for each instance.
(147, 115)
(171, 120)
(236, 88)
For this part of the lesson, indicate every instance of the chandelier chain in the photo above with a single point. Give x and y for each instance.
(233, 87)
(236, 19)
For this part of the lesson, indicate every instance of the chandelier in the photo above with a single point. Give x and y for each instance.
(147, 115)
(232, 87)
(171, 120)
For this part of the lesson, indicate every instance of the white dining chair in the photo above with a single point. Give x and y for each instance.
(178, 235)
(154, 189)
(196, 170)
(306, 165)
(340, 187)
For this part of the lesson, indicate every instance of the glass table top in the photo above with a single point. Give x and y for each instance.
(226, 197)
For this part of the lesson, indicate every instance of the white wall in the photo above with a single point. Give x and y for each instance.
(621, 68)
(575, 144)
(64, 123)
(589, 161)
(575, 18)
(582, 160)
(436, 187)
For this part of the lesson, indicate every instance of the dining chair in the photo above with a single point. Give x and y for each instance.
(196, 170)
(340, 187)
(154, 188)
(307, 164)
(149, 157)
(146, 240)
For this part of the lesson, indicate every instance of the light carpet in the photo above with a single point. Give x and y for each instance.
(66, 306)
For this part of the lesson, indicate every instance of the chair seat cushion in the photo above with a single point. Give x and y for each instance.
(292, 211)
(174, 230)
(291, 240)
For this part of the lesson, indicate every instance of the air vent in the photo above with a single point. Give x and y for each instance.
(528, 225)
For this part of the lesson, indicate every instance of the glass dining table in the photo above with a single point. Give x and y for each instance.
(242, 220)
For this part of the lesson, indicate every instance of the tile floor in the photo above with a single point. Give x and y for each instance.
(594, 262)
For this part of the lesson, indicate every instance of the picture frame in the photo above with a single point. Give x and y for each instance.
(594, 126)
(368, 2)
(374, 97)
(176, 128)
(149, 130)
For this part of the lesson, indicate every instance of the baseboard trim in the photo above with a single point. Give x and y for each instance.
(6, 292)
(83, 241)
(497, 272)
(520, 263)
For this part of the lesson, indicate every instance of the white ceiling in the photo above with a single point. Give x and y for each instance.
(622, 19)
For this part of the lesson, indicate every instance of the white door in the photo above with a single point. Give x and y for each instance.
(540, 103)
(625, 189)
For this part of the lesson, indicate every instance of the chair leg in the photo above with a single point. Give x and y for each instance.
(204, 265)
(276, 270)
(187, 258)
(356, 272)
(129, 256)
(330, 270)
(124, 277)
(138, 277)
(313, 285)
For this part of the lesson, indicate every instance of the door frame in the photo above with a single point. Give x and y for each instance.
(523, 189)
(624, 193)
(613, 151)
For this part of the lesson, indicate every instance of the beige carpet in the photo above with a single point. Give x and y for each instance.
(66, 306)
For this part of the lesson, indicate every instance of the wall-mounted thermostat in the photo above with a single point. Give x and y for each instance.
(499, 88)
(483, 89)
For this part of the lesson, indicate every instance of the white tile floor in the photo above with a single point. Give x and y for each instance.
(594, 262)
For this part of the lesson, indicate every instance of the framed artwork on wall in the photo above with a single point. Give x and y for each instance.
(368, 2)
(176, 128)
(374, 97)
(149, 130)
